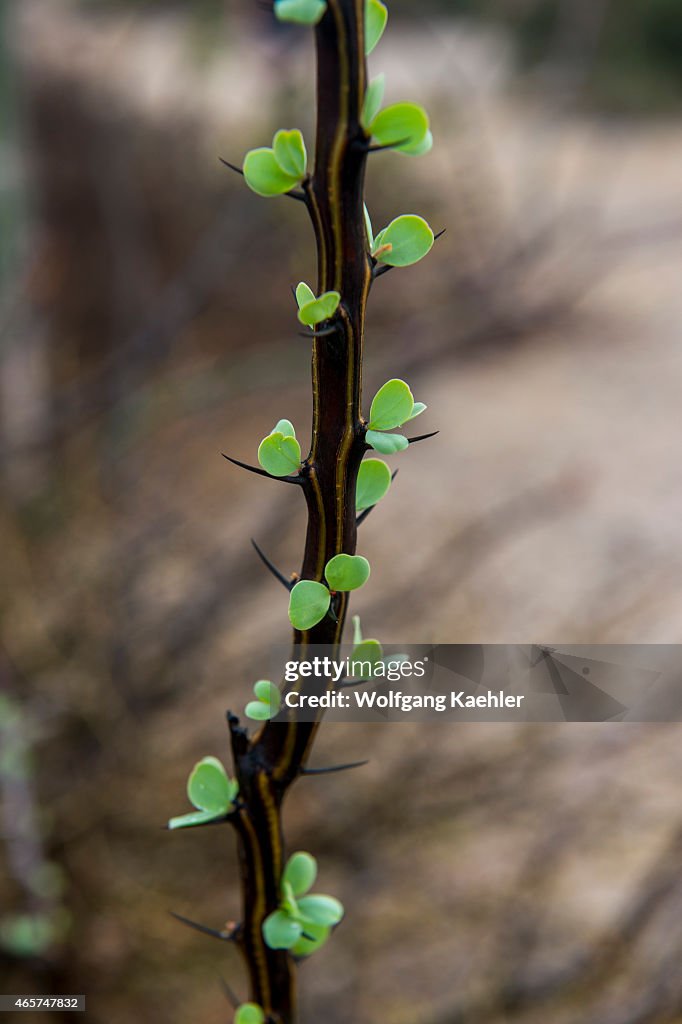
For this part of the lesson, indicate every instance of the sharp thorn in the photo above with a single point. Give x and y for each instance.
(365, 145)
(349, 684)
(318, 334)
(233, 167)
(365, 512)
(422, 437)
(363, 515)
(333, 769)
(261, 472)
(231, 997)
(439, 235)
(286, 583)
(297, 194)
(368, 148)
(204, 929)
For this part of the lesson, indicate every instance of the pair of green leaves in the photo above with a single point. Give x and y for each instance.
(267, 703)
(302, 923)
(392, 406)
(249, 1013)
(405, 241)
(309, 600)
(280, 453)
(403, 126)
(313, 311)
(309, 12)
(274, 171)
(212, 792)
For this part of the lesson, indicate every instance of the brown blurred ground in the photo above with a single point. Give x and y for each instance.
(489, 873)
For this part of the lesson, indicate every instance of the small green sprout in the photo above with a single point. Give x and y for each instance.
(392, 406)
(374, 480)
(376, 16)
(347, 572)
(249, 1013)
(312, 310)
(300, 12)
(267, 703)
(274, 171)
(302, 923)
(280, 453)
(405, 241)
(212, 792)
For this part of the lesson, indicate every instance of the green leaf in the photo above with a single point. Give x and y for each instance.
(290, 152)
(320, 910)
(27, 934)
(249, 1013)
(403, 125)
(391, 406)
(209, 787)
(320, 309)
(368, 227)
(313, 938)
(258, 711)
(376, 16)
(193, 818)
(419, 408)
(347, 572)
(284, 427)
(279, 455)
(387, 444)
(420, 148)
(366, 651)
(304, 294)
(264, 176)
(373, 99)
(268, 693)
(308, 604)
(300, 872)
(410, 238)
(280, 931)
(300, 12)
(374, 480)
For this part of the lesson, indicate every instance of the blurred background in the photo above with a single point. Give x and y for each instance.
(490, 873)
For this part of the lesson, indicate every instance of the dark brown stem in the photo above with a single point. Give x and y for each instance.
(268, 764)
